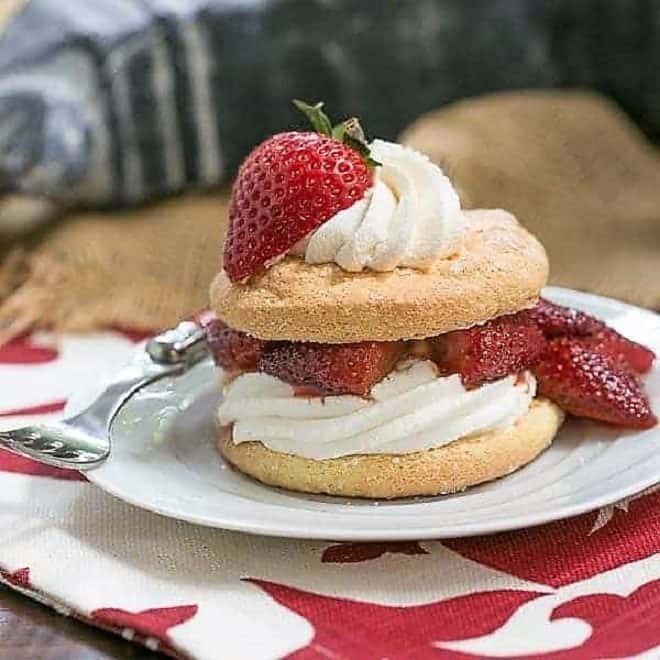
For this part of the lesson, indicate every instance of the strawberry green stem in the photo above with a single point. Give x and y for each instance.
(349, 131)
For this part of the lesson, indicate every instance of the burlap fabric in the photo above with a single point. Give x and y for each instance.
(570, 165)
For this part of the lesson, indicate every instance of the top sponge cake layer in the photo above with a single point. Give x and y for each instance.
(500, 269)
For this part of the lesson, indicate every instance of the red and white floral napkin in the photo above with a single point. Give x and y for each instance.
(580, 589)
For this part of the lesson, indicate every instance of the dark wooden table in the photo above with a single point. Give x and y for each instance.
(29, 631)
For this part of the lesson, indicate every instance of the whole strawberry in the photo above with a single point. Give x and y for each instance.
(291, 184)
(585, 382)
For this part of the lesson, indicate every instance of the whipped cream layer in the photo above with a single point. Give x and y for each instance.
(412, 409)
(409, 218)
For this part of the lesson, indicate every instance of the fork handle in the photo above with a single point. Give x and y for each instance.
(81, 442)
(167, 354)
(97, 417)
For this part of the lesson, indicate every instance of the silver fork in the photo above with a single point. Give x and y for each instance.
(82, 442)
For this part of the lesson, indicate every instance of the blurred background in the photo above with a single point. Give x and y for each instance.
(122, 123)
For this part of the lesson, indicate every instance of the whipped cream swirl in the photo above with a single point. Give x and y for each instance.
(409, 218)
(412, 409)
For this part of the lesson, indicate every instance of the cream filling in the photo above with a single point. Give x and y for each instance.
(412, 409)
(410, 218)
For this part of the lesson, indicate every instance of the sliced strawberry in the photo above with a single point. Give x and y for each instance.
(588, 383)
(288, 186)
(559, 321)
(624, 351)
(332, 368)
(231, 349)
(503, 346)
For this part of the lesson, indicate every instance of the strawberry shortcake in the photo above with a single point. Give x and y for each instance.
(376, 340)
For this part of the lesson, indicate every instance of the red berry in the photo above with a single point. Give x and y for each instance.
(288, 186)
(588, 383)
(498, 348)
(332, 368)
(558, 321)
(624, 351)
(231, 349)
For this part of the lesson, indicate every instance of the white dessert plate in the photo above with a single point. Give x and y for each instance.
(163, 459)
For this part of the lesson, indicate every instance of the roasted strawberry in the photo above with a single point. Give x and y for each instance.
(624, 351)
(585, 382)
(559, 321)
(231, 349)
(331, 368)
(503, 346)
(288, 186)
